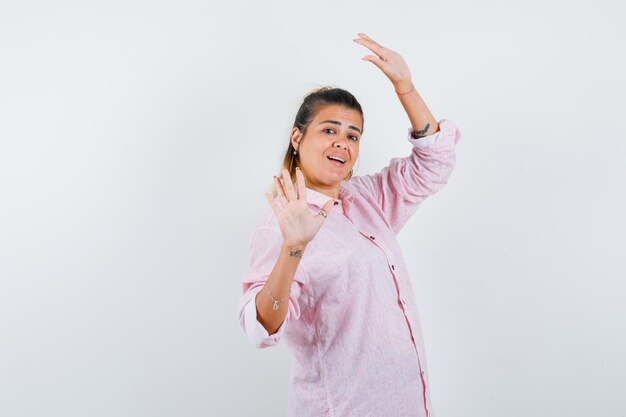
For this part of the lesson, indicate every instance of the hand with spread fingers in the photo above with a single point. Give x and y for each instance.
(388, 61)
(395, 68)
(297, 224)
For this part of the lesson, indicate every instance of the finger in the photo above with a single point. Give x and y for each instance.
(290, 192)
(301, 184)
(280, 192)
(366, 37)
(329, 204)
(326, 209)
(375, 60)
(270, 200)
(370, 44)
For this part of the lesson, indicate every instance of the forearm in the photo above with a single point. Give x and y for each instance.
(420, 116)
(279, 284)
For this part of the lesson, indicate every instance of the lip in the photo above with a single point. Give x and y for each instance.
(335, 163)
(344, 157)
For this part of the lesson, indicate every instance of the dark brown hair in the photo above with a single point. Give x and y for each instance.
(309, 108)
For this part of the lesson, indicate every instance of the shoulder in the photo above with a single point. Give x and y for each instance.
(360, 189)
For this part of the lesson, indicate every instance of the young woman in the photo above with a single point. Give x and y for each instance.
(326, 272)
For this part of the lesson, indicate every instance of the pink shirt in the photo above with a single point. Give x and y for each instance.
(352, 324)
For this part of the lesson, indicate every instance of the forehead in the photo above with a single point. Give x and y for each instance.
(340, 113)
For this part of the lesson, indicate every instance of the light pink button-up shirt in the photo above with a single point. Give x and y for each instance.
(352, 323)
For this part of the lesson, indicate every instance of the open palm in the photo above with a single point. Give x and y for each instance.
(297, 224)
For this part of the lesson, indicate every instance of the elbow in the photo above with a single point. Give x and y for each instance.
(260, 339)
(256, 333)
(268, 339)
(264, 343)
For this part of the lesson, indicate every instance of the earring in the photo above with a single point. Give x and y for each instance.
(295, 152)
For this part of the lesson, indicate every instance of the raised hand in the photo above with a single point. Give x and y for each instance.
(297, 224)
(388, 61)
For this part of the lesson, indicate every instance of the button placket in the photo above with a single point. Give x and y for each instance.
(383, 247)
(402, 301)
(387, 253)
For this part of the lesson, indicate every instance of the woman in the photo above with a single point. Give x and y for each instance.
(326, 272)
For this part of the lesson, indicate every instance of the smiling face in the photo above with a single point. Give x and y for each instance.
(335, 132)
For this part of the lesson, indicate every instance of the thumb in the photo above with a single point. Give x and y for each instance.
(329, 204)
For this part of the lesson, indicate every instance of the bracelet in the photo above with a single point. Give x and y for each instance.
(401, 94)
(275, 301)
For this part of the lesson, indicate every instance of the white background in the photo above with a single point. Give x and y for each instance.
(137, 138)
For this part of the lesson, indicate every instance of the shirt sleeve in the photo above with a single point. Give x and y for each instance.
(265, 245)
(258, 335)
(399, 188)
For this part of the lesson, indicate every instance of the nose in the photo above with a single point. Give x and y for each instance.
(339, 145)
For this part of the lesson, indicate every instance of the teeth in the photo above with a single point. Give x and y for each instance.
(336, 158)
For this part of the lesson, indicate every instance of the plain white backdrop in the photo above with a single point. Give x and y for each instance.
(137, 138)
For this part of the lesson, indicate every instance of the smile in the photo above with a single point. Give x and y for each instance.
(337, 159)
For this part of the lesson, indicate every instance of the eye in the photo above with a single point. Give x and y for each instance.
(353, 138)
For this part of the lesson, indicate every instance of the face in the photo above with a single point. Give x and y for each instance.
(334, 132)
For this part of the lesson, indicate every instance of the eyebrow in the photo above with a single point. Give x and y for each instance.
(335, 122)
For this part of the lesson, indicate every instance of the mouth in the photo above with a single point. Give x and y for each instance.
(336, 160)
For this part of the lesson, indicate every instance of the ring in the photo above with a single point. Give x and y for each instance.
(322, 213)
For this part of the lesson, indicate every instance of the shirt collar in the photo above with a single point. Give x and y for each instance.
(346, 197)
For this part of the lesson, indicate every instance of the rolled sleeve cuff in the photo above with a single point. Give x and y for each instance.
(448, 132)
(257, 334)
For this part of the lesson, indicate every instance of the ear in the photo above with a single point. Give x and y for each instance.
(296, 137)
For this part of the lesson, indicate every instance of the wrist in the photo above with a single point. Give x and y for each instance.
(403, 87)
(294, 249)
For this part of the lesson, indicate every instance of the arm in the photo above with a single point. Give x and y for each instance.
(422, 120)
(255, 331)
(274, 266)
(400, 187)
(279, 285)
(281, 251)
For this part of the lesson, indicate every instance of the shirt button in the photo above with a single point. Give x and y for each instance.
(403, 302)
(422, 372)
(393, 267)
(372, 237)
